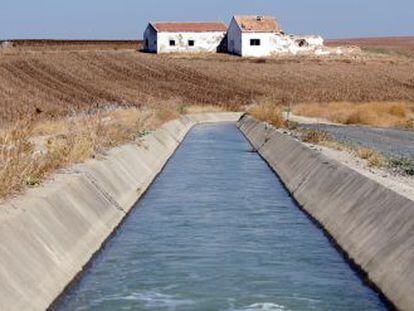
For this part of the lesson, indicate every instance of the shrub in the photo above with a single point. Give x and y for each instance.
(30, 151)
(271, 113)
(373, 158)
(315, 137)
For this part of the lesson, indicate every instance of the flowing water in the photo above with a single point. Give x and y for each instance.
(218, 231)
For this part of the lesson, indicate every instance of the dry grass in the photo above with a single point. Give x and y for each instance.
(63, 104)
(75, 45)
(267, 112)
(30, 151)
(401, 166)
(202, 109)
(315, 137)
(48, 83)
(373, 158)
(386, 114)
(382, 45)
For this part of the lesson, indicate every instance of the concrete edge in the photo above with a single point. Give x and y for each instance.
(51, 233)
(372, 224)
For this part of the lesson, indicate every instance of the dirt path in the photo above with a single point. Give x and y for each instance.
(392, 143)
(389, 142)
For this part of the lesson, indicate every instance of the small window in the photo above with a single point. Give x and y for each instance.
(191, 42)
(172, 42)
(254, 42)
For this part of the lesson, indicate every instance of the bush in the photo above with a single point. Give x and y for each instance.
(315, 136)
(270, 113)
(30, 151)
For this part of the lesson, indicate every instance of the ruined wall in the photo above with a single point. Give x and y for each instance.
(306, 44)
(203, 42)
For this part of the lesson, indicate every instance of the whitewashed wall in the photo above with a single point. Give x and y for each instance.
(203, 42)
(268, 43)
(150, 35)
(273, 44)
(237, 42)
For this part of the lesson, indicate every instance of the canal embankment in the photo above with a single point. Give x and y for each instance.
(371, 223)
(50, 233)
(218, 231)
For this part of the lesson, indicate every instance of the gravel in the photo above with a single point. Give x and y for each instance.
(389, 142)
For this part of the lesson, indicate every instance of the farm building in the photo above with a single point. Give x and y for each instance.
(253, 35)
(248, 35)
(184, 37)
(259, 36)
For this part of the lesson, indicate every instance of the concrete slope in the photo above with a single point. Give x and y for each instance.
(49, 234)
(372, 224)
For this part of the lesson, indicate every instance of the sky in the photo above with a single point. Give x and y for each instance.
(127, 19)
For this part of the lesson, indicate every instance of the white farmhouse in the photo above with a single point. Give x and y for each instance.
(261, 36)
(252, 35)
(160, 37)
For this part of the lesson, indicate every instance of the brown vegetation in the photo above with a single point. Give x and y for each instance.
(385, 114)
(201, 109)
(372, 157)
(49, 83)
(64, 103)
(383, 45)
(74, 45)
(315, 136)
(30, 150)
(401, 166)
(269, 113)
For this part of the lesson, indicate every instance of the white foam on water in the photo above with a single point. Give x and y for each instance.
(154, 299)
(262, 306)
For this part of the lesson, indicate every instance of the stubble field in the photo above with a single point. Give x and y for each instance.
(64, 102)
(50, 82)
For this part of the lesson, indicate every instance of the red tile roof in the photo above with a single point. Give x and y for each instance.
(254, 23)
(189, 27)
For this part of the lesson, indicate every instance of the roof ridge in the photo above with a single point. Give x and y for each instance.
(217, 26)
(258, 23)
(174, 22)
(254, 15)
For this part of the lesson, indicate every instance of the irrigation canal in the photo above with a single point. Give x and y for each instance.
(218, 231)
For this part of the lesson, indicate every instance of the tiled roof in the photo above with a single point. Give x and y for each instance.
(189, 27)
(254, 23)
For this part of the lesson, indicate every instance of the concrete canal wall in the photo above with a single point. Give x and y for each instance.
(49, 234)
(372, 224)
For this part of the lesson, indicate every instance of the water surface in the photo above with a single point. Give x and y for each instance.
(217, 231)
